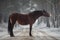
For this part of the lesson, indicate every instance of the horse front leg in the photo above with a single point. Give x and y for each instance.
(30, 30)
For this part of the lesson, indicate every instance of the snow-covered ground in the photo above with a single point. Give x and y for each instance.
(51, 30)
(55, 32)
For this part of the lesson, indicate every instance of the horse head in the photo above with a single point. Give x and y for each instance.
(46, 14)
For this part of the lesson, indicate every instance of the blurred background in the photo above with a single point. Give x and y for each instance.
(25, 6)
(7, 7)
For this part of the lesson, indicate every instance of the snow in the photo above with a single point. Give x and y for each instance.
(36, 28)
(52, 31)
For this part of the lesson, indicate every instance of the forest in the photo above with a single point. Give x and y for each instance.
(26, 6)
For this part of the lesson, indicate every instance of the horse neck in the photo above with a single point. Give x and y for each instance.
(37, 15)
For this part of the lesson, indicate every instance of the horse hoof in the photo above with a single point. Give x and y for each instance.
(12, 36)
(31, 36)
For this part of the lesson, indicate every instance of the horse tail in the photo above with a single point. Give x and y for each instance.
(9, 25)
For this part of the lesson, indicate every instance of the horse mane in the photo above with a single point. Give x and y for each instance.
(36, 14)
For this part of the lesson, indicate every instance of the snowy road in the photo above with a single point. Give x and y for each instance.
(39, 33)
(23, 35)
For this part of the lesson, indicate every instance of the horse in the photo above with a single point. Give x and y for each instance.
(25, 19)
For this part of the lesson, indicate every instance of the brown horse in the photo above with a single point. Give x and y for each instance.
(25, 19)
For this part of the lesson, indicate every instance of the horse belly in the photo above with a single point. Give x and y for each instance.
(24, 23)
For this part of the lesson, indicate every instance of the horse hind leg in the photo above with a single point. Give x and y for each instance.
(10, 28)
